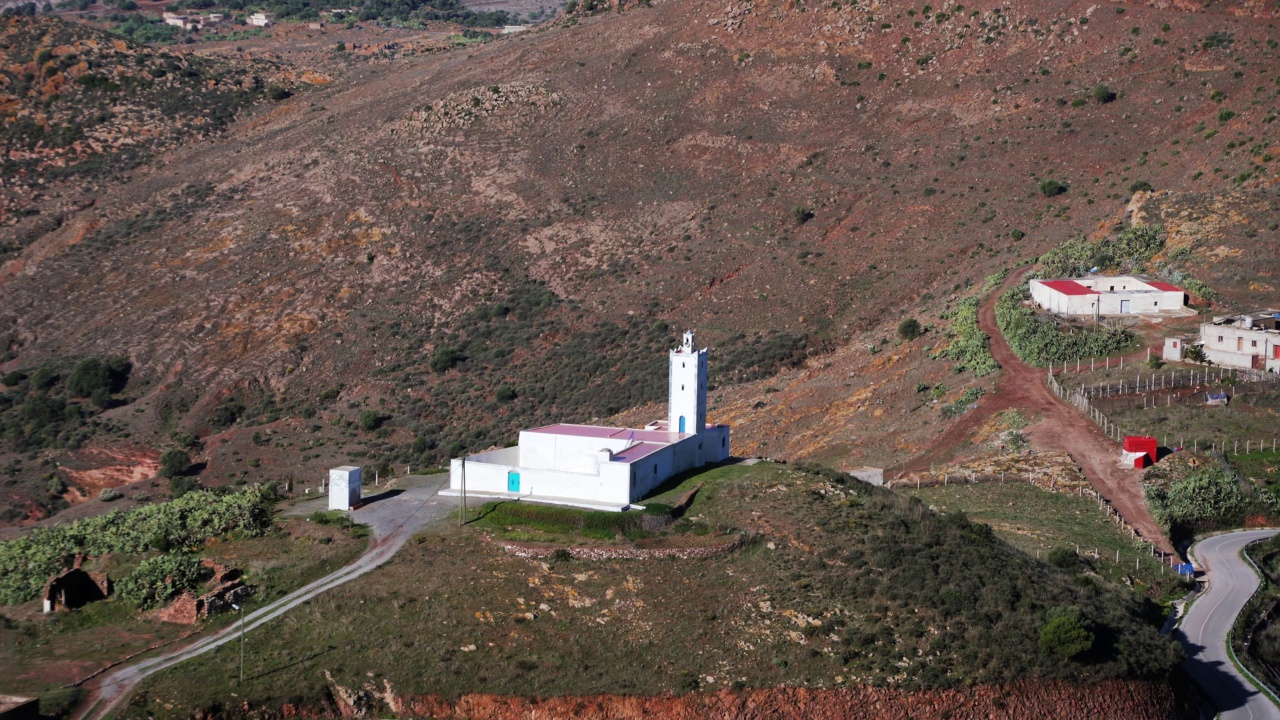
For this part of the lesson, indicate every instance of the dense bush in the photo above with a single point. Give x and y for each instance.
(1207, 498)
(970, 348)
(157, 579)
(97, 375)
(1130, 247)
(1037, 340)
(1067, 633)
(174, 463)
(37, 411)
(1050, 187)
(26, 563)
(909, 329)
(991, 604)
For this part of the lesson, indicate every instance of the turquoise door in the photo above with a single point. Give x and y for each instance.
(513, 481)
(681, 423)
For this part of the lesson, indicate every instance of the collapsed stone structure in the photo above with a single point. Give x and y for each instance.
(75, 587)
(188, 609)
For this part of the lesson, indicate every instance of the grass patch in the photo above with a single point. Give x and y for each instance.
(1037, 522)
(518, 516)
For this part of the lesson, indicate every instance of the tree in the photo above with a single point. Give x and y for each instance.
(1103, 94)
(1067, 633)
(102, 375)
(371, 420)
(443, 359)
(174, 463)
(1195, 353)
(909, 329)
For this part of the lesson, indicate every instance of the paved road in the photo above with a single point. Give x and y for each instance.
(394, 518)
(1204, 629)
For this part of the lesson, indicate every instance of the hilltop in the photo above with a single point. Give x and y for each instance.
(430, 253)
(838, 587)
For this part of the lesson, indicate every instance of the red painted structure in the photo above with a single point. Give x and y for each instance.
(1142, 444)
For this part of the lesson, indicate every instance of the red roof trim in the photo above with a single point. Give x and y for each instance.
(1165, 286)
(1068, 287)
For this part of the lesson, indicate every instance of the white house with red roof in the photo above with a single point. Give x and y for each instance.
(1099, 295)
(603, 468)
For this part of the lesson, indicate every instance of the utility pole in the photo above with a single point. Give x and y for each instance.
(241, 611)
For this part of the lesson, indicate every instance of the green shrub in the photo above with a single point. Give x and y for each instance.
(1140, 186)
(1050, 187)
(371, 420)
(157, 579)
(801, 214)
(1067, 633)
(1102, 94)
(1063, 557)
(909, 329)
(1208, 497)
(109, 494)
(969, 348)
(174, 463)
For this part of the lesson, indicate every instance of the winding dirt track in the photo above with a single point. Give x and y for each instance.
(1062, 428)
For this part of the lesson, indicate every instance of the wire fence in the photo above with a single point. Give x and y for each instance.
(1226, 379)
(1255, 390)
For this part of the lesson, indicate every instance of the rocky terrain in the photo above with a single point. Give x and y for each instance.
(431, 252)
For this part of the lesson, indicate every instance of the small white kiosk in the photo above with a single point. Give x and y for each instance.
(344, 487)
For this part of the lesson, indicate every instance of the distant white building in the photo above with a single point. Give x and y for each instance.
(1100, 295)
(344, 487)
(1248, 341)
(604, 468)
(259, 19)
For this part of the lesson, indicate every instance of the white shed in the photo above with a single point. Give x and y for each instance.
(344, 487)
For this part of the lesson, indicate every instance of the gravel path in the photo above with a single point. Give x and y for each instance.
(394, 517)
(1203, 631)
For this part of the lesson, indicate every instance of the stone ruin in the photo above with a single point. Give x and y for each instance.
(75, 587)
(227, 587)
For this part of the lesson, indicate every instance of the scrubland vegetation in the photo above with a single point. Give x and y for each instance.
(839, 579)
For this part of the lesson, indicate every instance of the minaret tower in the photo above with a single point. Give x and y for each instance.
(687, 397)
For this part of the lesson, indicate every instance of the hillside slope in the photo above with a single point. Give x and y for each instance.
(464, 244)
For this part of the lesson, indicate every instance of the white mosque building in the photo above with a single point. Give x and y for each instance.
(603, 468)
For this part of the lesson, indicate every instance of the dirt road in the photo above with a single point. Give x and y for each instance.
(393, 520)
(1061, 428)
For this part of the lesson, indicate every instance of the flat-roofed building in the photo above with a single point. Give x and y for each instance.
(1251, 340)
(1099, 295)
(604, 468)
